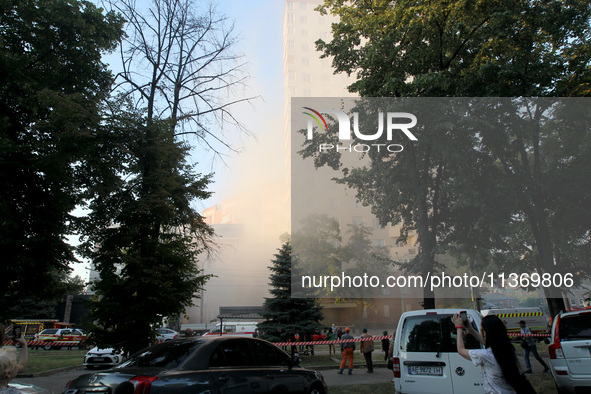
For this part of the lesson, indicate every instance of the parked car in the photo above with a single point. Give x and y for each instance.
(166, 334)
(55, 336)
(27, 388)
(108, 357)
(217, 365)
(570, 352)
(425, 354)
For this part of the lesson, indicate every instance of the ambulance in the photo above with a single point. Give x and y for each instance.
(534, 319)
(233, 328)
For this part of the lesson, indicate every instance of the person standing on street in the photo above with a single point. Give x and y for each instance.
(347, 350)
(385, 346)
(330, 337)
(529, 346)
(367, 349)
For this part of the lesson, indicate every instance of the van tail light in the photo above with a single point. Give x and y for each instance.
(555, 348)
(142, 383)
(396, 367)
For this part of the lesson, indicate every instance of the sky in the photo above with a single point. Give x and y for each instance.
(259, 26)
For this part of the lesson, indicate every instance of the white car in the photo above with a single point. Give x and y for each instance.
(166, 334)
(97, 357)
(425, 354)
(570, 352)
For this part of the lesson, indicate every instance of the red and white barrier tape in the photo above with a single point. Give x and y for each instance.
(51, 343)
(332, 342)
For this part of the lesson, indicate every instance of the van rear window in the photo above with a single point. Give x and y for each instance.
(432, 333)
(575, 327)
(421, 334)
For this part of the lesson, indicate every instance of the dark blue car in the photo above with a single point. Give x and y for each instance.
(211, 364)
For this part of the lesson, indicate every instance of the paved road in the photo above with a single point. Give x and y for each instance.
(359, 376)
(56, 383)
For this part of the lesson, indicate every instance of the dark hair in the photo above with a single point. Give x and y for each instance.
(500, 344)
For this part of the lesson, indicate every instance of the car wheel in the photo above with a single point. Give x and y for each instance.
(47, 347)
(316, 389)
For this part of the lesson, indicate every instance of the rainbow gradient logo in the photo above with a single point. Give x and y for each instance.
(345, 124)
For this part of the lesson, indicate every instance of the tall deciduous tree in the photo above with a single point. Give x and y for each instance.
(51, 85)
(484, 48)
(284, 316)
(179, 72)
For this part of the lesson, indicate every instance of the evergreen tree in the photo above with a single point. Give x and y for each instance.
(284, 316)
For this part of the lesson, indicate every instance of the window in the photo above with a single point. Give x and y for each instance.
(379, 243)
(267, 355)
(290, 17)
(357, 221)
(376, 224)
(167, 355)
(432, 333)
(237, 354)
(575, 327)
(217, 359)
(421, 334)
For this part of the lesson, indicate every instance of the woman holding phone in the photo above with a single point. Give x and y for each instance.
(9, 368)
(501, 373)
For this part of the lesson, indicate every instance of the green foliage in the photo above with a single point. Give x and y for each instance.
(51, 84)
(142, 234)
(285, 316)
(461, 48)
(467, 48)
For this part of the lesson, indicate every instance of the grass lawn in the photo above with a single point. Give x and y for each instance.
(44, 360)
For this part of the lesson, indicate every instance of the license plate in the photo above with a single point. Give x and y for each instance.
(425, 370)
(98, 359)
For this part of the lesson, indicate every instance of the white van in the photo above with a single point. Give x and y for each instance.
(234, 328)
(425, 354)
(533, 317)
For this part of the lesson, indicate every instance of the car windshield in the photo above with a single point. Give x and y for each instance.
(167, 356)
(575, 327)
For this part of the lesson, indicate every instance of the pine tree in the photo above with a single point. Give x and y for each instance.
(284, 316)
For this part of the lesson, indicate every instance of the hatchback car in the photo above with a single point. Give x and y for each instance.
(216, 365)
(570, 352)
(97, 357)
